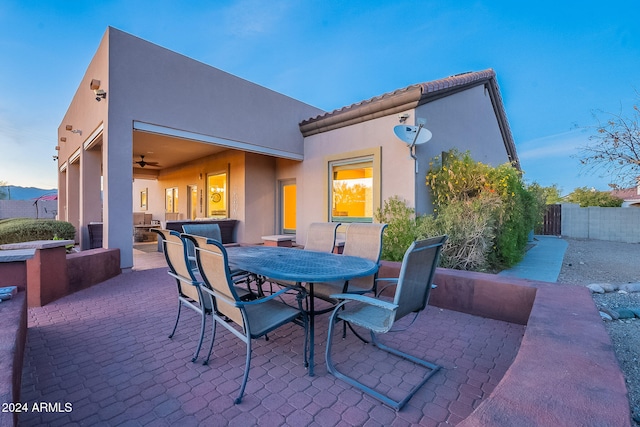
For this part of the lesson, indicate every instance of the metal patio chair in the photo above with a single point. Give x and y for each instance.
(254, 318)
(189, 286)
(321, 236)
(361, 240)
(211, 231)
(378, 316)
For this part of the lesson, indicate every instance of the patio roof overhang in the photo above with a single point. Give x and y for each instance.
(170, 147)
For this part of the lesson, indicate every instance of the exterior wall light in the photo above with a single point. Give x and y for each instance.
(72, 130)
(95, 87)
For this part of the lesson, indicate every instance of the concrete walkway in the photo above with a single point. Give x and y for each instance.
(542, 262)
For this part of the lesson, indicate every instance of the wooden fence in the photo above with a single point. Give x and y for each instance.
(552, 225)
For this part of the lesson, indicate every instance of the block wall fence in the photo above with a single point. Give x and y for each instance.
(44, 209)
(613, 224)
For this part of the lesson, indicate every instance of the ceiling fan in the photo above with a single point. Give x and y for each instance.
(142, 162)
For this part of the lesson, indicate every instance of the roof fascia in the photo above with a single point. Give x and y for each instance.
(402, 100)
(412, 97)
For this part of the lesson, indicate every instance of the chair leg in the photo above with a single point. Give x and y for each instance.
(246, 372)
(175, 326)
(305, 324)
(213, 338)
(202, 328)
(397, 405)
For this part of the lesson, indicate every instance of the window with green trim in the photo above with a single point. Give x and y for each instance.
(351, 187)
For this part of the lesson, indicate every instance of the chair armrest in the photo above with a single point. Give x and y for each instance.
(365, 299)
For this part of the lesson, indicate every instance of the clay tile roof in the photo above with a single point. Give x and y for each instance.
(411, 97)
(626, 193)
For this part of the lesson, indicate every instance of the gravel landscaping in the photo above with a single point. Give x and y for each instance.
(589, 262)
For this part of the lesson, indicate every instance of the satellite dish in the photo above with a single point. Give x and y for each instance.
(408, 134)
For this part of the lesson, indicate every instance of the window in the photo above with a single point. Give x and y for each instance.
(171, 200)
(352, 190)
(288, 206)
(217, 195)
(143, 199)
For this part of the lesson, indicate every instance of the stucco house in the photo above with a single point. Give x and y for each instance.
(150, 130)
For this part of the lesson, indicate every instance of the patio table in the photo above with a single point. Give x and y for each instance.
(290, 264)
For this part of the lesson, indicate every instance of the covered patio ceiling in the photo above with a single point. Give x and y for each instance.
(165, 151)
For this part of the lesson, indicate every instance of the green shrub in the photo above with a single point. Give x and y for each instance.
(401, 228)
(470, 227)
(459, 179)
(18, 230)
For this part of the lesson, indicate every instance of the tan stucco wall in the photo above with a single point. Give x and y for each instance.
(396, 167)
(147, 83)
(80, 203)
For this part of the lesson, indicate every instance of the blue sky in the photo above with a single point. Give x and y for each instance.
(556, 64)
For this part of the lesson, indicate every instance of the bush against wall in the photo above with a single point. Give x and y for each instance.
(457, 178)
(469, 225)
(401, 228)
(17, 230)
(486, 211)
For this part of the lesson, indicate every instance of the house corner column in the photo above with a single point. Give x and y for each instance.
(90, 197)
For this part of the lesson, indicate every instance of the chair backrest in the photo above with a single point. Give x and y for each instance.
(321, 236)
(364, 240)
(174, 249)
(213, 264)
(416, 275)
(211, 231)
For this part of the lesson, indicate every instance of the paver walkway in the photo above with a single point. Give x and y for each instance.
(104, 351)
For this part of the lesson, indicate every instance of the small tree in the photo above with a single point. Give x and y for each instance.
(548, 195)
(591, 197)
(615, 147)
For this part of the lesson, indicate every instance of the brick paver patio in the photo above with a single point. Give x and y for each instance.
(105, 353)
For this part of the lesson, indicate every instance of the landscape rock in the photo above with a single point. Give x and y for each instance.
(608, 287)
(596, 288)
(630, 287)
(605, 316)
(611, 312)
(625, 313)
(636, 311)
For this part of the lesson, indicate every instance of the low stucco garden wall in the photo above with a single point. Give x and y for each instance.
(25, 270)
(565, 373)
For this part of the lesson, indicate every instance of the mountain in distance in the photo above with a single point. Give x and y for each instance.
(14, 192)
